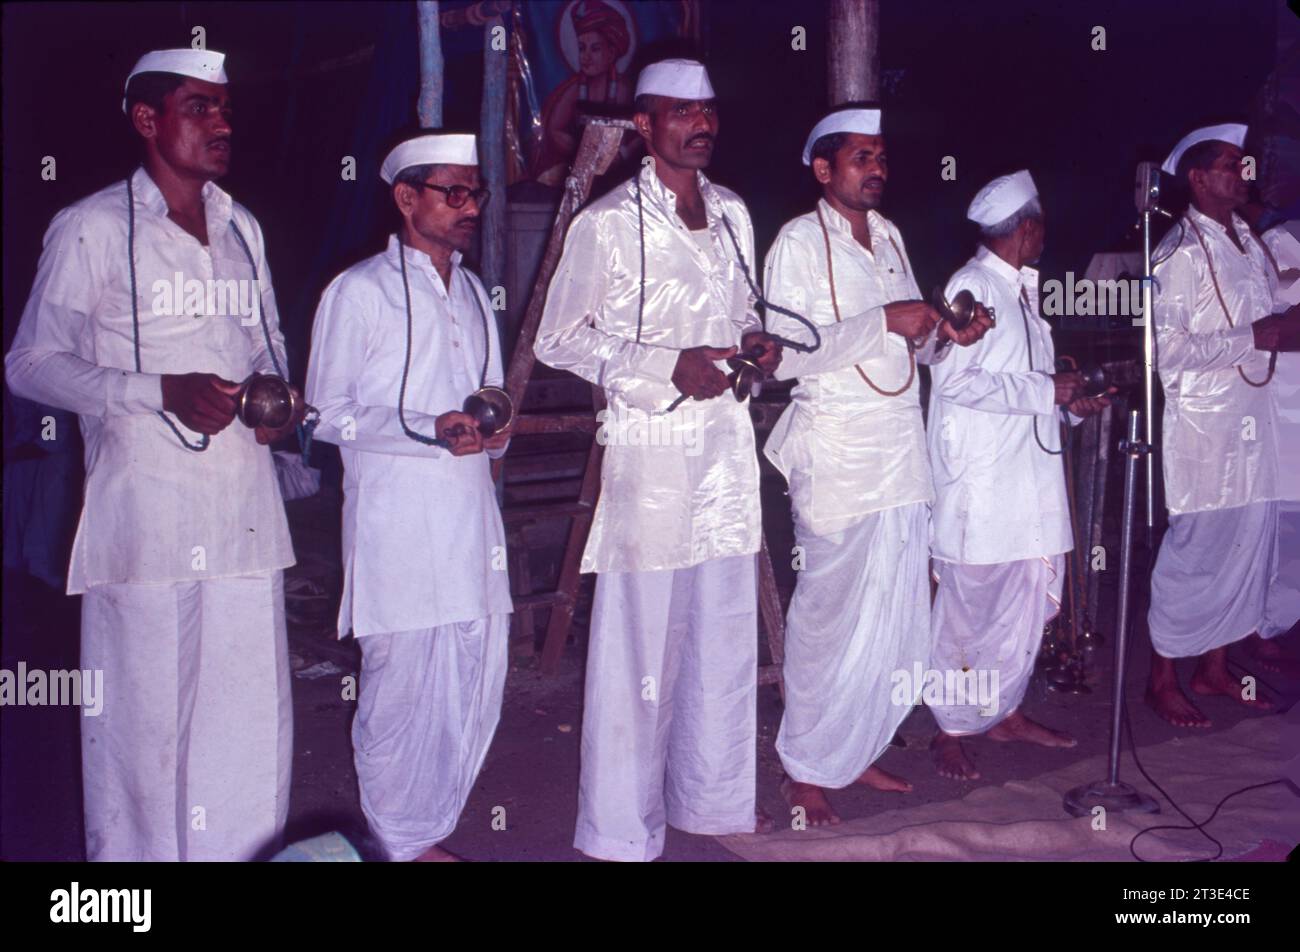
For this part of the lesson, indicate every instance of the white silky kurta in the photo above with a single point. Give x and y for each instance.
(1220, 439)
(859, 483)
(664, 506)
(178, 553)
(998, 496)
(423, 541)
(846, 450)
(1282, 608)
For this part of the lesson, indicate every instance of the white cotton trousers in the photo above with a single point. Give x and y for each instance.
(190, 758)
(1282, 604)
(669, 725)
(428, 706)
(989, 620)
(1211, 578)
(860, 614)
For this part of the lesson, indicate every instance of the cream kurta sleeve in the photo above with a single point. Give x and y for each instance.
(967, 383)
(48, 361)
(571, 336)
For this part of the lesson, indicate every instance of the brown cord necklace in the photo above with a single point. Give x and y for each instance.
(835, 305)
(1272, 354)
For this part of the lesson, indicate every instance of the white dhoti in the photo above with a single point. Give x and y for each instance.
(988, 624)
(1282, 604)
(1211, 578)
(428, 706)
(669, 726)
(191, 755)
(860, 614)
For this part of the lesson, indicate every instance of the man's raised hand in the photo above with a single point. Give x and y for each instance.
(461, 432)
(770, 357)
(910, 319)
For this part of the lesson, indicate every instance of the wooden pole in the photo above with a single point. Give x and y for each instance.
(853, 64)
(492, 157)
(429, 107)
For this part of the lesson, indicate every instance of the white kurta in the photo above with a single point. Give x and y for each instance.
(846, 450)
(1283, 605)
(674, 503)
(423, 541)
(670, 720)
(998, 496)
(1220, 435)
(154, 511)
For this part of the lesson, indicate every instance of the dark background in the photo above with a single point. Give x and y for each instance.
(999, 86)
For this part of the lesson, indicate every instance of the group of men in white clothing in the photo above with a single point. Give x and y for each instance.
(658, 294)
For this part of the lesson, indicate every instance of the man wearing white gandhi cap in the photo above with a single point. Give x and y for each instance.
(651, 292)
(1216, 287)
(851, 445)
(1001, 519)
(183, 537)
(400, 340)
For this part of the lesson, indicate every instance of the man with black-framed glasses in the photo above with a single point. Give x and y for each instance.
(400, 340)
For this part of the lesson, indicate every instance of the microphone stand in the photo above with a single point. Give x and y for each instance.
(1112, 794)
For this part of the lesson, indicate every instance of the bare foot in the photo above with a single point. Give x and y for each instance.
(1270, 656)
(950, 758)
(1015, 726)
(436, 854)
(879, 779)
(1174, 706)
(811, 799)
(1219, 681)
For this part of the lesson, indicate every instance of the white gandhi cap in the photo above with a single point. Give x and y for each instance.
(1232, 132)
(442, 148)
(863, 121)
(677, 78)
(207, 65)
(1002, 198)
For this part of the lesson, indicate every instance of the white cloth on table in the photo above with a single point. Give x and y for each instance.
(857, 451)
(860, 614)
(990, 618)
(998, 496)
(1211, 578)
(669, 725)
(190, 757)
(423, 541)
(428, 706)
(663, 504)
(1221, 436)
(155, 511)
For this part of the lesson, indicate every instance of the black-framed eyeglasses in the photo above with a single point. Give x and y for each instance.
(457, 194)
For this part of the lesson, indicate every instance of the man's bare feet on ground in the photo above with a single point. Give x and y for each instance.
(1219, 681)
(817, 809)
(436, 854)
(879, 779)
(1015, 726)
(1271, 657)
(1173, 705)
(950, 758)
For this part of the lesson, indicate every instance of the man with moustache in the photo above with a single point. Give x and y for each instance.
(400, 340)
(650, 294)
(183, 538)
(1001, 517)
(852, 447)
(1215, 291)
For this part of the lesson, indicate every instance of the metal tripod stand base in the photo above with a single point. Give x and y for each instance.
(1112, 797)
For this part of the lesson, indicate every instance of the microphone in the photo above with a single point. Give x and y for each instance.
(1146, 189)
